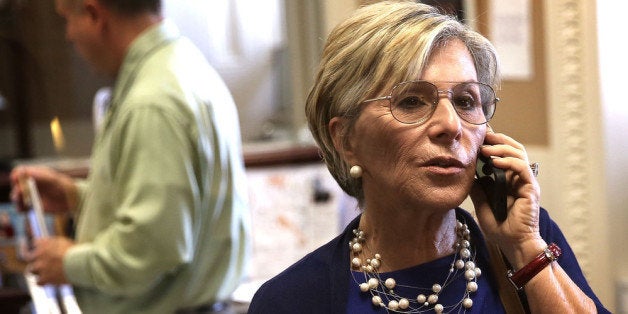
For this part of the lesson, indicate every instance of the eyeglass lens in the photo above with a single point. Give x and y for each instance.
(414, 102)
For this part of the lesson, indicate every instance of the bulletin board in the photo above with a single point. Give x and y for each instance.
(522, 111)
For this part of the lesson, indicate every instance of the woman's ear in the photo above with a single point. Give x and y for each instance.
(338, 129)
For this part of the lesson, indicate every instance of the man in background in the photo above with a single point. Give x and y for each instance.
(162, 222)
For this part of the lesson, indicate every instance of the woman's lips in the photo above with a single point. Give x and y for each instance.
(444, 166)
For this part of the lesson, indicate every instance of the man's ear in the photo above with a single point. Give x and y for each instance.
(95, 10)
(338, 129)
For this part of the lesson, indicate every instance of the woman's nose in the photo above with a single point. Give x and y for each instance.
(445, 121)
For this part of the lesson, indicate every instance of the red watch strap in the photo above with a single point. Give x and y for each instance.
(521, 277)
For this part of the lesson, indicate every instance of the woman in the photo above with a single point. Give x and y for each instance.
(400, 109)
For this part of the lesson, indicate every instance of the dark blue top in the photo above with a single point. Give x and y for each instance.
(321, 282)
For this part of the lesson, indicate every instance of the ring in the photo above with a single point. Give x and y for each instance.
(535, 168)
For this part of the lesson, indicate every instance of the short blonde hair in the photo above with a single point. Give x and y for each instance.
(379, 46)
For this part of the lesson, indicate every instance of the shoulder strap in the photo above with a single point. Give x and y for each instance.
(507, 293)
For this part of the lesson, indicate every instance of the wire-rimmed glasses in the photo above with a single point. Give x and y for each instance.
(414, 102)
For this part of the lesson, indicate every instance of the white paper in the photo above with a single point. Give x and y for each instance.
(510, 27)
(44, 298)
(287, 224)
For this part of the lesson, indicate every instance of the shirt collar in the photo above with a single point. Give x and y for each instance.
(144, 45)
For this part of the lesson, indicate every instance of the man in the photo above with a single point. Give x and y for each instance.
(162, 223)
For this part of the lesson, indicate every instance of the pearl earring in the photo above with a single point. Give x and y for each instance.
(355, 172)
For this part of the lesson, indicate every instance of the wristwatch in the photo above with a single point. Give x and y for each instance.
(521, 277)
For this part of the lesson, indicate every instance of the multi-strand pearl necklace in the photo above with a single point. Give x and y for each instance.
(383, 293)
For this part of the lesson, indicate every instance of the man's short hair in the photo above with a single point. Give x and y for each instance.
(133, 7)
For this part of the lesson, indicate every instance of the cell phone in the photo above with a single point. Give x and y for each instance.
(493, 182)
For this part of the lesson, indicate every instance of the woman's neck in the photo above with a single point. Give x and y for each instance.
(408, 238)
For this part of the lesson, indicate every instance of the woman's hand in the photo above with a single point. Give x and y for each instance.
(518, 236)
(57, 191)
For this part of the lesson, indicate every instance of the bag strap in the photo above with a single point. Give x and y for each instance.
(511, 299)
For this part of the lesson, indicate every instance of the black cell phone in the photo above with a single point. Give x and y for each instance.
(493, 182)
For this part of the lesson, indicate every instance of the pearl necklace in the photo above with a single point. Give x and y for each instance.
(464, 263)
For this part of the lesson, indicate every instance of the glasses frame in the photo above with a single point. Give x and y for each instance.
(449, 92)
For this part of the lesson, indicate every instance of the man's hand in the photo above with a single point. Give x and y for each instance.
(57, 191)
(46, 260)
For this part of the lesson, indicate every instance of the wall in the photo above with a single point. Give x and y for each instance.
(45, 75)
(613, 69)
(576, 190)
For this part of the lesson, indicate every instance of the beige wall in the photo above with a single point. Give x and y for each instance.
(337, 10)
(577, 187)
(613, 69)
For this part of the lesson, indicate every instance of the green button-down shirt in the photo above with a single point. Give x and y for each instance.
(163, 220)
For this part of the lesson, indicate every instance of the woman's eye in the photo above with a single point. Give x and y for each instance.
(465, 102)
(413, 102)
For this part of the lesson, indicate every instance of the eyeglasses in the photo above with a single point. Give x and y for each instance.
(414, 102)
